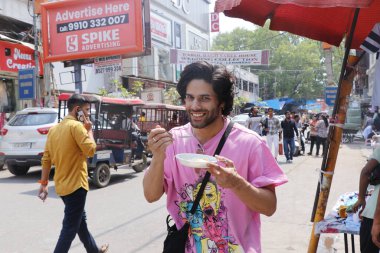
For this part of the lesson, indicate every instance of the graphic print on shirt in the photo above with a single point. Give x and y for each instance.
(209, 224)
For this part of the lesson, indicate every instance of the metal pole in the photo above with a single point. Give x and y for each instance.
(78, 76)
(36, 73)
(334, 138)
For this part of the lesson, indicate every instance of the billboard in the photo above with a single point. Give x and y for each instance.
(74, 29)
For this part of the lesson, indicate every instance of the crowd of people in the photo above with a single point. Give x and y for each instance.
(293, 128)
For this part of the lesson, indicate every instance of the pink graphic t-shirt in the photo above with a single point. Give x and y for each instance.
(221, 223)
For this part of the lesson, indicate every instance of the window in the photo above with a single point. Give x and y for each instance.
(33, 119)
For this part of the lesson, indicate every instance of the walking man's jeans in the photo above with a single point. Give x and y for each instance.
(74, 223)
(272, 140)
(313, 140)
(289, 148)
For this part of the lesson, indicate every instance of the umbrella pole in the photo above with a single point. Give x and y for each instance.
(334, 138)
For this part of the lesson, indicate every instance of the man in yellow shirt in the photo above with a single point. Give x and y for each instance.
(68, 145)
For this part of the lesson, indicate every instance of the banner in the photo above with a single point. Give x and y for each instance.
(87, 29)
(254, 57)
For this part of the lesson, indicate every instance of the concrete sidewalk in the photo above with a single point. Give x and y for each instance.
(289, 229)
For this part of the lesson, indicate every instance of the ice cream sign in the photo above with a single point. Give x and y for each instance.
(93, 28)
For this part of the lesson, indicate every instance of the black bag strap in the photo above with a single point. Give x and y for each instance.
(207, 176)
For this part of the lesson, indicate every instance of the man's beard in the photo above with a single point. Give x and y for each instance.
(211, 118)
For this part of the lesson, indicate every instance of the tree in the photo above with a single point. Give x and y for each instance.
(120, 90)
(296, 67)
(172, 96)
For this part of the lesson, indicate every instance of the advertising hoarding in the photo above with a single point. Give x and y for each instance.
(86, 29)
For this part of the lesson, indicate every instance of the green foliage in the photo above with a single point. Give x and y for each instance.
(296, 67)
(172, 96)
(239, 101)
(137, 87)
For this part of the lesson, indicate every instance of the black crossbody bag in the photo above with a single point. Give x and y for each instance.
(175, 241)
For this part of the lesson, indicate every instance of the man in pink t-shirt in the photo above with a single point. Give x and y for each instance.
(242, 184)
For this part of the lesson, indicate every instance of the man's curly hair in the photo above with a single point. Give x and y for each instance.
(218, 76)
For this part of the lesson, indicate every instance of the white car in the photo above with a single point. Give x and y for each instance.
(24, 137)
(241, 119)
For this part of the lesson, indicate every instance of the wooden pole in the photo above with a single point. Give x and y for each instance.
(331, 157)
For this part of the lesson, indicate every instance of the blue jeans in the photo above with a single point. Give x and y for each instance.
(289, 143)
(74, 222)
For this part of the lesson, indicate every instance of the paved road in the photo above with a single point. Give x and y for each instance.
(120, 215)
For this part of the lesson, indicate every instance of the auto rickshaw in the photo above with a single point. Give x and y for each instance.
(165, 115)
(116, 147)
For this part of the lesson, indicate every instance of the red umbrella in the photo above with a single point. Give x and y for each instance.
(322, 20)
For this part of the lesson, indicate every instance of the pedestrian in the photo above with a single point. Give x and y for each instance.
(242, 183)
(142, 117)
(288, 128)
(298, 122)
(274, 132)
(254, 121)
(370, 220)
(322, 132)
(313, 134)
(68, 145)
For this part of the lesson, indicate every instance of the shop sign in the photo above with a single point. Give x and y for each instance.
(86, 29)
(254, 57)
(160, 29)
(182, 5)
(214, 22)
(26, 83)
(107, 64)
(197, 42)
(16, 57)
(152, 96)
(330, 95)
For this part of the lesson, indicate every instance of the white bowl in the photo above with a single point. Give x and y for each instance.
(195, 160)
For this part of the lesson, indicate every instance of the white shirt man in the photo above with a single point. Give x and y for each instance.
(273, 133)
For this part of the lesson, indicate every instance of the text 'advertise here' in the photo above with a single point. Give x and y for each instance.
(91, 29)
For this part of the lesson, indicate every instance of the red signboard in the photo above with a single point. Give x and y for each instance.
(75, 29)
(17, 56)
(214, 22)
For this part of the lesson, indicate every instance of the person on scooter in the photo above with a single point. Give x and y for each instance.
(134, 133)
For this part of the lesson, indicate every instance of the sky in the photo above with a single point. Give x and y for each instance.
(227, 24)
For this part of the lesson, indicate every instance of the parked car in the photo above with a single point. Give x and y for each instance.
(241, 119)
(23, 138)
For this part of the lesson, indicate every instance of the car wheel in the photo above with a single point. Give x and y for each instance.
(18, 170)
(101, 175)
(1, 166)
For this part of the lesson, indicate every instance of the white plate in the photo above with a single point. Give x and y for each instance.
(195, 160)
